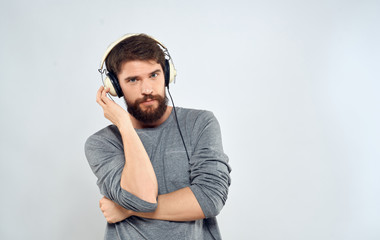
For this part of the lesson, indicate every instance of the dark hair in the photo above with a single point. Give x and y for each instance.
(137, 47)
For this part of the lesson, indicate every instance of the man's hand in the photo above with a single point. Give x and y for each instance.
(112, 111)
(112, 211)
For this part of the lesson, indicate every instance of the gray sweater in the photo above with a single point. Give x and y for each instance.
(207, 174)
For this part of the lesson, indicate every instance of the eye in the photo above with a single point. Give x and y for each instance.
(154, 75)
(132, 80)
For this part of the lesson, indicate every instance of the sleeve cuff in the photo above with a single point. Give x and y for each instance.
(206, 204)
(136, 204)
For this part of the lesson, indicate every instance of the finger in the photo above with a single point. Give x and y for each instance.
(101, 201)
(105, 98)
(99, 93)
(99, 96)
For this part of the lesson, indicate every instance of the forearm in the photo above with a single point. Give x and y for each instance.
(180, 205)
(138, 176)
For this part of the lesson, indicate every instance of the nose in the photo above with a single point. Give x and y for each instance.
(147, 91)
(146, 88)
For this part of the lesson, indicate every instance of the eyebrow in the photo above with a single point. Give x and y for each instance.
(133, 77)
(155, 71)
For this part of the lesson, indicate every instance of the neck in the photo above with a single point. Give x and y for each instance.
(139, 125)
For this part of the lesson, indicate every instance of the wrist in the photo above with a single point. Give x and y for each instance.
(125, 125)
(128, 213)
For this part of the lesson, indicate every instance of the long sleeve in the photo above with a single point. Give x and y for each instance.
(105, 155)
(209, 169)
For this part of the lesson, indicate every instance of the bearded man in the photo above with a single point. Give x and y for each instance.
(162, 170)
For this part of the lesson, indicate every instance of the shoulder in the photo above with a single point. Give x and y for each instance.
(104, 149)
(195, 115)
(109, 135)
(197, 121)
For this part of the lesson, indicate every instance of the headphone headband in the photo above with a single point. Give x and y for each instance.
(112, 45)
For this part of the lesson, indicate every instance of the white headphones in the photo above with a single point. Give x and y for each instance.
(111, 80)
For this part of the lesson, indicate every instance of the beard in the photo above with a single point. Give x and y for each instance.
(150, 114)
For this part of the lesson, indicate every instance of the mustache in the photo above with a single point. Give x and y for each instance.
(146, 98)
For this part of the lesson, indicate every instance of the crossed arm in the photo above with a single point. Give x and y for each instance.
(180, 205)
(139, 179)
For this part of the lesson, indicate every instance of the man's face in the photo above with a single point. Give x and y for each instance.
(143, 85)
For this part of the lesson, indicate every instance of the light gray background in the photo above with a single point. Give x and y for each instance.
(294, 85)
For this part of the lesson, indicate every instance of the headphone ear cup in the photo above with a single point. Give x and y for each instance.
(167, 72)
(108, 84)
(112, 83)
(172, 73)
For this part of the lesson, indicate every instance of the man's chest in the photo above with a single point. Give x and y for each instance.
(169, 160)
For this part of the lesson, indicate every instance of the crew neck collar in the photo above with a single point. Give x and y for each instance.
(162, 125)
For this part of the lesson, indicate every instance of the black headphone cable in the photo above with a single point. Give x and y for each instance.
(179, 129)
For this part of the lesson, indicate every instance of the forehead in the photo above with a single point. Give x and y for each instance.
(139, 67)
